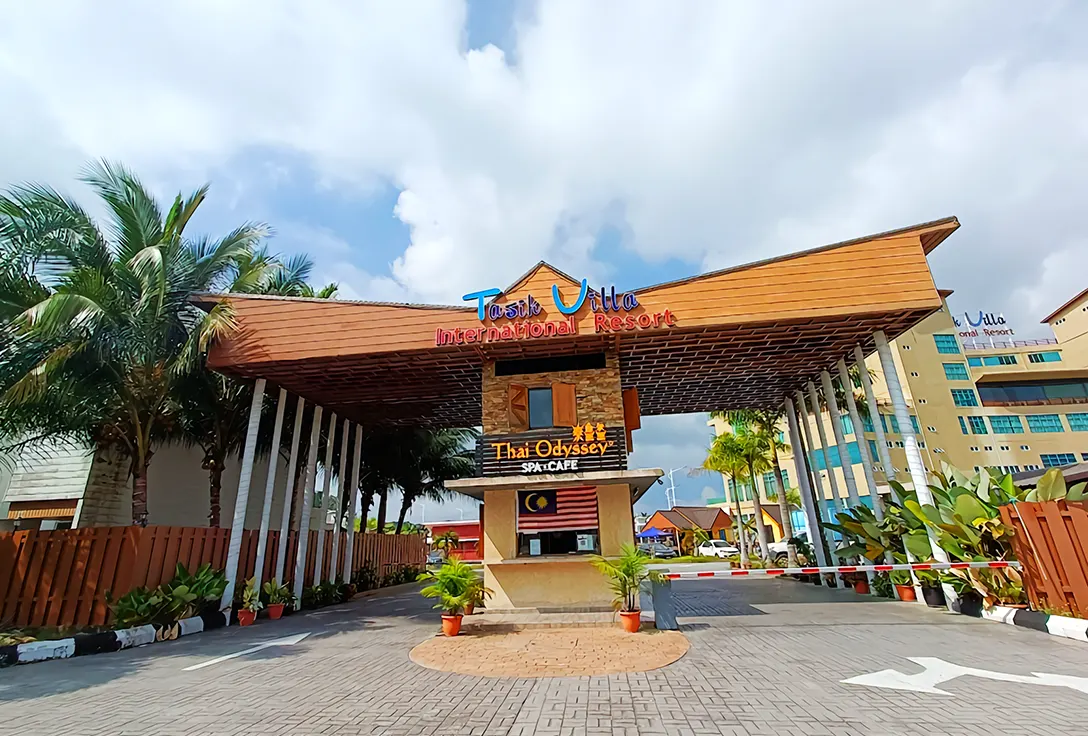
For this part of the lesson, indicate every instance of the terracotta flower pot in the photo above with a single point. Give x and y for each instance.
(906, 592)
(451, 625)
(630, 621)
(275, 610)
(246, 617)
(861, 587)
(469, 609)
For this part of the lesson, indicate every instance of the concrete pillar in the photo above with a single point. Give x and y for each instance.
(814, 401)
(326, 489)
(269, 488)
(910, 442)
(341, 492)
(307, 502)
(840, 439)
(289, 492)
(241, 501)
(353, 495)
(859, 435)
(818, 486)
(805, 486)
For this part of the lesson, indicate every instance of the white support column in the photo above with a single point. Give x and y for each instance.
(874, 415)
(241, 501)
(341, 491)
(289, 492)
(269, 488)
(821, 508)
(805, 487)
(353, 493)
(910, 442)
(324, 510)
(307, 502)
(840, 439)
(814, 401)
(859, 435)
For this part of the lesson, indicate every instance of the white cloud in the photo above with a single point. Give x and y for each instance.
(714, 132)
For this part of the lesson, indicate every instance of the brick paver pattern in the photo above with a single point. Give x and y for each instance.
(552, 652)
(770, 673)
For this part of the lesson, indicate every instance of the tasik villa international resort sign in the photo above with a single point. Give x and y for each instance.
(553, 450)
(612, 312)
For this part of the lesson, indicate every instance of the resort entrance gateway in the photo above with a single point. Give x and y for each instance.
(559, 372)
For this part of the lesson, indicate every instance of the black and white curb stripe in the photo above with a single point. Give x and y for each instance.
(1070, 628)
(108, 641)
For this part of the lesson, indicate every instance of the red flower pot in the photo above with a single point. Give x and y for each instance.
(906, 592)
(451, 625)
(631, 621)
(275, 610)
(861, 587)
(469, 609)
(246, 617)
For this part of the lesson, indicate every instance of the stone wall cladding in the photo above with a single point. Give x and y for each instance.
(598, 393)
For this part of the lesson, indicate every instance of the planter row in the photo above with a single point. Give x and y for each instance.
(108, 641)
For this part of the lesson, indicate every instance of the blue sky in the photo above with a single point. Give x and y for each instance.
(419, 151)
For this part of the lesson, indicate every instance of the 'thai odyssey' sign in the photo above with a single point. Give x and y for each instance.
(555, 450)
(612, 312)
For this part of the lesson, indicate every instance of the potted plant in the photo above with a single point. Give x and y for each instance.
(626, 574)
(860, 583)
(278, 597)
(931, 588)
(904, 586)
(251, 603)
(476, 595)
(452, 585)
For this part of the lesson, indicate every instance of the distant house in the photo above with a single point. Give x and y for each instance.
(683, 521)
(469, 546)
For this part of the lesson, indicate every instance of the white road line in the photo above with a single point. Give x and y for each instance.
(285, 641)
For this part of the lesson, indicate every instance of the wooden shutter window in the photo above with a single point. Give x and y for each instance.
(632, 414)
(564, 405)
(517, 399)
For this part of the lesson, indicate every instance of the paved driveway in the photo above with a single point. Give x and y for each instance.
(767, 657)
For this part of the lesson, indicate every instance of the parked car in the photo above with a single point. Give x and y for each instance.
(656, 549)
(436, 557)
(716, 548)
(778, 549)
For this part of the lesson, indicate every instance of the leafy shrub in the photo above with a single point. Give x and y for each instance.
(365, 578)
(184, 596)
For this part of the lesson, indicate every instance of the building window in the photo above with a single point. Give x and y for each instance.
(1025, 447)
(867, 423)
(922, 401)
(906, 347)
(1078, 422)
(978, 425)
(1058, 459)
(914, 374)
(974, 449)
(938, 450)
(890, 423)
(1084, 456)
(964, 397)
(847, 424)
(922, 445)
(931, 428)
(1004, 448)
(999, 360)
(963, 425)
(1051, 356)
(956, 372)
(974, 362)
(899, 443)
(1006, 425)
(540, 408)
(1039, 423)
(988, 448)
(947, 344)
(914, 422)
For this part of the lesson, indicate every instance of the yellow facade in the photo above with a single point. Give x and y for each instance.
(967, 436)
(527, 582)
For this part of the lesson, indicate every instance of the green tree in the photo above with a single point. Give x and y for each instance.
(726, 456)
(426, 459)
(113, 329)
(447, 540)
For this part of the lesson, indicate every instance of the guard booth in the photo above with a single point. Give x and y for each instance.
(558, 373)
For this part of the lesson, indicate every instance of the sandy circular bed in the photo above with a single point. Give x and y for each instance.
(556, 652)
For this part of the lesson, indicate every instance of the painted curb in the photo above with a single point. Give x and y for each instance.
(1065, 626)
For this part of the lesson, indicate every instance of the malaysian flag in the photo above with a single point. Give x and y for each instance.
(575, 508)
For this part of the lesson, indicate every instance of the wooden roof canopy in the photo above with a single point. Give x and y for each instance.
(743, 336)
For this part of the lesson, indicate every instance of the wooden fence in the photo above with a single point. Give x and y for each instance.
(1051, 543)
(60, 578)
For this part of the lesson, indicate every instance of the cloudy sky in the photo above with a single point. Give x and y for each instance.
(421, 150)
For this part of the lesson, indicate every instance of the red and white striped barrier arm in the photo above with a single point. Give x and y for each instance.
(687, 575)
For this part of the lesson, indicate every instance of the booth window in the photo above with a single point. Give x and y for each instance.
(553, 405)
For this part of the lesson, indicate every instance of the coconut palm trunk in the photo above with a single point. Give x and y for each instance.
(757, 509)
(742, 542)
(784, 510)
(383, 509)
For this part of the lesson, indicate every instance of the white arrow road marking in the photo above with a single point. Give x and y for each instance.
(285, 641)
(937, 671)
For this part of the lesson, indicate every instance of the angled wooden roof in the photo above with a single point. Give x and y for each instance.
(743, 336)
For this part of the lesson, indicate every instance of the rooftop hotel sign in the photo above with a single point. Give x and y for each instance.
(612, 312)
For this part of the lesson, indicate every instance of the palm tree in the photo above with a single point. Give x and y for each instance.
(725, 456)
(427, 460)
(100, 353)
(447, 540)
(765, 422)
(754, 449)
